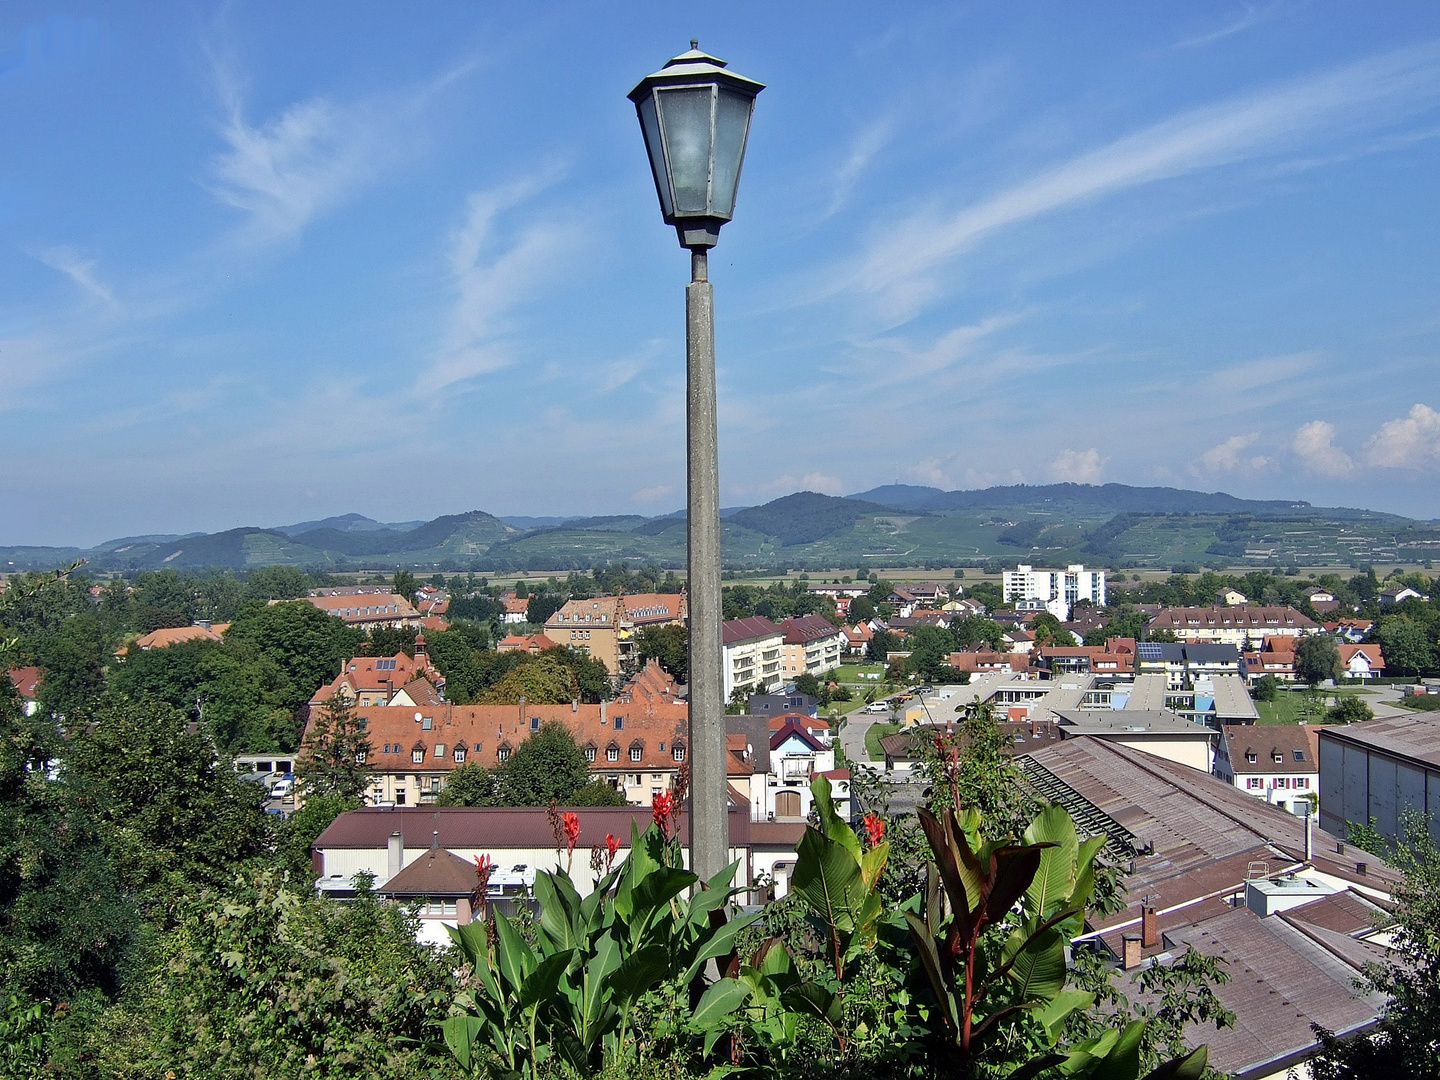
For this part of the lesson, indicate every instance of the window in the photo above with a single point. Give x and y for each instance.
(1282, 782)
(427, 723)
(439, 749)
(503, 753)
(399, 798)
(384, 665)
(635, 752)
(459, 755)
(612, 753)
(1299, 755)
(1278, 758)
(1255, 782)
(589, 753)
(619, 722)
(417, 755)
(678, 752)
(1251, 758)
(360, 757)
(534, 723)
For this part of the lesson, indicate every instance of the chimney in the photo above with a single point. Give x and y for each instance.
(1149, 928)
(1131, 958)
(574, 704)
(420, 649)
(435, 840)
(394, 855)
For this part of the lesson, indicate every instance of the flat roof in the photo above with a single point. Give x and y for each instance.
(1147, 692)
(1132, 721)
(1414, 737)
(1232, 700)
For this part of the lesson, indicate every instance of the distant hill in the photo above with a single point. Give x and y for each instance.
(893, 526)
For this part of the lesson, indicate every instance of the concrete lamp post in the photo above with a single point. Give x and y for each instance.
(695, 116)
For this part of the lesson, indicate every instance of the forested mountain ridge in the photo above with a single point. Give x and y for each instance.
(894, 525)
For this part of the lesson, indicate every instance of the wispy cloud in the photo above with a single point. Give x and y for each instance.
(868, 142)
(1251, 15)
(900, 267)
(492, 272)
(1228, 456)
(1314, 446)
(81, 271)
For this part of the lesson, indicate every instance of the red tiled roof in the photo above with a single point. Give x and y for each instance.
(374, 607)
(749, 629)
(26, 681)
(173, 635)
(807, 628)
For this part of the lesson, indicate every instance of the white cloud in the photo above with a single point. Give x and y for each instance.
(868, 142)
(1078, 466)
(80, 270)
(900, 267)
(1409, 442)
(1225, 456)
(1314, 445)
(1251, 15)
(653, 494)
(491, 276)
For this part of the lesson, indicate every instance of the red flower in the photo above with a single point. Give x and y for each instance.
(661, 807)
(484, 867)
(612, 848)
(874, 828)
(570, 821)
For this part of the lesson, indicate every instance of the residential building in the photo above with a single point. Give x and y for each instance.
(961, 609)
(26, 681)
(604, 627)
(1057, 591)
(813, 645)
(905, 749)
(1365, 661)
(979, 659)
(1275, 658)
(1115, 657)
(1397, 594)
(1315, 594)
(366, 610)
(1274, 762)
(1230, 597)
(796, 758)
(1379, 772)
(526, 643)
(376, 680)
(817, 726)
(857, 638)
(1351, 630)
(1239, 626)
(517, 609)
(751, 650)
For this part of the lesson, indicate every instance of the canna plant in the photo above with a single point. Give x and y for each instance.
(571, 994)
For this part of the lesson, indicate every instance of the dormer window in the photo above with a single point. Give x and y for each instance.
(612, 753)
(503, 753)
(1278, 758)
(459, 755)
(417, 756)
(1251, 758)
(636, 751)
(590, 753)
(678, 752)
(360, 757)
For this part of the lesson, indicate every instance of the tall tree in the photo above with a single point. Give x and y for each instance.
(547, 767)
(308, 644)
(335, 757)
(1317, 658)
(670, 645)
(403, 583)
(1408, 649)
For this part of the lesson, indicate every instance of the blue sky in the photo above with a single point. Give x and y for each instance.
(268, 262)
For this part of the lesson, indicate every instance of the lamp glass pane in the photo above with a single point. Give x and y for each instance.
(656, 149)
(685, 119)
(732, 122)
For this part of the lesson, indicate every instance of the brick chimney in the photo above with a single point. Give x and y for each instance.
(1132, 952)
(1149, 928)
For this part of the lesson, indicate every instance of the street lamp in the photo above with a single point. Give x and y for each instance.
(695, 116)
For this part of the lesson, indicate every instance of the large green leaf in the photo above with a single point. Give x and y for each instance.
(719, 943)
(818, 1001)
(1055, 877)
(541, 984)
(594, 1005)
(718, 1002)
(930, 960)
(637, 973)
(557, 916)
(1053, 1013)
(828, 880)
(1038, 970)
(461, 1035)
(830, 823)
(1189, 1067)
(513, 956)
(1123, 1060)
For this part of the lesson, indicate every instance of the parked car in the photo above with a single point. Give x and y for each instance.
(878, 706)
(283, 789)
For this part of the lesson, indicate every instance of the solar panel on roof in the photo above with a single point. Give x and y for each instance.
(1149, 650)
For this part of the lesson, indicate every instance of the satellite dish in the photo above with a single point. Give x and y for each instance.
(418, 718)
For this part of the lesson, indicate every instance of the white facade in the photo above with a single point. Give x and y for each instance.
(753, 663)
(1058, 590)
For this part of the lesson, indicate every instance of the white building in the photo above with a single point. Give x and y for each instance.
(1274, 762)
(752, 659)
(1057, 590)
(796, 758)
(813, 645)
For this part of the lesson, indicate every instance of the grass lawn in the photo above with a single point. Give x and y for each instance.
(850, 673)
(1290, 706)
(873, 737)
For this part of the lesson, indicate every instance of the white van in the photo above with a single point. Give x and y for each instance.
(283, 789)
(878, 706)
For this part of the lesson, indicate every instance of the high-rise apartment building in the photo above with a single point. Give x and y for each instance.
(1057, 591)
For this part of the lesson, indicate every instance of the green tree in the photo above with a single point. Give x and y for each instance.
(547, 767)
(670, 645)
(403, 583)
(308, 644)
(862, 609)
(930, 649)
(1317, 658)
(470, 785)
(806, 683)
(880, 646)
(1349, 710)
(544, 680)
(1048, 631)
(297, 836)
(1403, 1043)
(978, 630)
(174, 816)
(1267, 688)
(74, 661)
(597, 792)
(277, 583)
(1407, 648)
(334, 759)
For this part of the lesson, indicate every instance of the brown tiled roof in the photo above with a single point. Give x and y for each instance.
(371, 607)
(1265, 741)
(1241, 616)
(159, 639)
(436, 873)
(371, 673)
(423, 693)
(749, 629)
(516, 605)
(26, 681)
(1372, 653)
(807, 628)
(606, 612)
(531, 643)
(643, 608)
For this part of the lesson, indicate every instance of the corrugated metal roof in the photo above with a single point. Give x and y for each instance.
(1415, 737)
